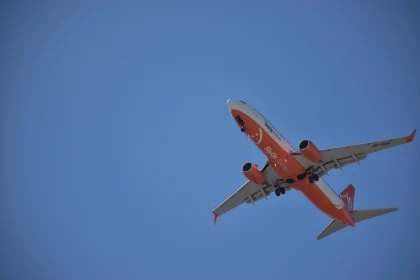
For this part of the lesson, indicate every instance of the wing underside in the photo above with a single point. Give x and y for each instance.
(251, 192)
(337, 158)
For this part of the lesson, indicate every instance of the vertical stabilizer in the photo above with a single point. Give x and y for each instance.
(348, 197)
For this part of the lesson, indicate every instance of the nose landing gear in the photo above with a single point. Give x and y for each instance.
(240, 123)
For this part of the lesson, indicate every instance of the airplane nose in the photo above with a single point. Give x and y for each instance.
(229, 103)
(236, 105)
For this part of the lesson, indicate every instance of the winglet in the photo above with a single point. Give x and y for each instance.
(411, 137)
(215, 217)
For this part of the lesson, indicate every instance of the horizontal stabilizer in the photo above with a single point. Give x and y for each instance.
(331, 228)
(361, 215)
(357, 216)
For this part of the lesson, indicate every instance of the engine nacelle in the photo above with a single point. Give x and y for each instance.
(253, 174)
(309, 151)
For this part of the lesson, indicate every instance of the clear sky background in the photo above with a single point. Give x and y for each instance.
(117, 143)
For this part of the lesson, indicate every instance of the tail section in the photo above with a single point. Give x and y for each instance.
(361, 215)
(348, 197)
(331, 228)
(357, 215)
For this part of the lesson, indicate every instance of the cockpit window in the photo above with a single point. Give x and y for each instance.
(242, 101)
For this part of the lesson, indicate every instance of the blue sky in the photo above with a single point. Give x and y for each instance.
(117, 143)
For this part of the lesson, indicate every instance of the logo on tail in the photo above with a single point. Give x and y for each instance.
(348, 197)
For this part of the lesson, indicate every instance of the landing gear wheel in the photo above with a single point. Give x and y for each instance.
(316, 177)
(290, 181)
(243, 129)
(301, 176)
(311, 179)
(278, 192)
(282, 190)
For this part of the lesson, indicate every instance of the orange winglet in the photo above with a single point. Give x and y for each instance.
(411, 137)
(215, 217)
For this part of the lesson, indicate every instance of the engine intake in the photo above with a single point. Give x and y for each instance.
(309, 151)
(304, 144)
(252, 173)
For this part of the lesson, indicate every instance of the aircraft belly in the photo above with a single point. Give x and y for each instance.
(287, 166)
(318, 199)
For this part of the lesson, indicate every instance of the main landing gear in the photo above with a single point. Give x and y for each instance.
(280, 191)
(311, 177)
(290, 181)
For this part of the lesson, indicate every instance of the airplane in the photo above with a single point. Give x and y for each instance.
(301, 170)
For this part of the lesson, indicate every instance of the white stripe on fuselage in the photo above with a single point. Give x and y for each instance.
(282, 142)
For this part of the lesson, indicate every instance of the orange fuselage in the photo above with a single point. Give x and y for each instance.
(278, 153)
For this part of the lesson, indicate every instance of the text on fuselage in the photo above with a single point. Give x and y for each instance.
(273, 131)
(274, 156)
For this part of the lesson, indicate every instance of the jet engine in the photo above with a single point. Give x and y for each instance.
(253, 174)
(309, 151)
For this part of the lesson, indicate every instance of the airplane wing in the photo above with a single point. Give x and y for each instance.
(251, 192)
(340, 157)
